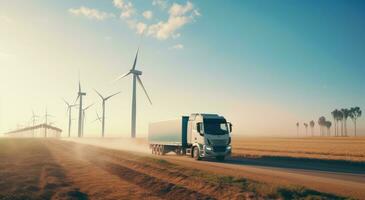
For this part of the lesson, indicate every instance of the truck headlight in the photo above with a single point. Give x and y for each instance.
(229, 147)
(208, 148)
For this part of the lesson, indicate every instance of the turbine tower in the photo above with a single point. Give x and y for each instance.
(34, 118)
(46, 122)
(80, 94)
(136, 77)
(83, 119)
(103, 105)
(69, 109)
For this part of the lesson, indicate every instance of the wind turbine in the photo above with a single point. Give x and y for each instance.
(104, 99)
(46, 115)
(69, 109)
(34, 118)
(79, 96)
(136, 74)
(83, 119)
(98, 117)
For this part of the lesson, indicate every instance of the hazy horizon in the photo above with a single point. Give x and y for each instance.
(262, 66)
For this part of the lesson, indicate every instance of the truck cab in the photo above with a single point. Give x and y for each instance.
(208, 135)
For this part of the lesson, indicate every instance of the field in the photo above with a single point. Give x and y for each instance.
(331, 148)
(54, 169)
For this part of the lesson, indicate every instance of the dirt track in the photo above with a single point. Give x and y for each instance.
(339, 177)
(53, 169)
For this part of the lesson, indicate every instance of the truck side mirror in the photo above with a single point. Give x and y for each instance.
(230, 127)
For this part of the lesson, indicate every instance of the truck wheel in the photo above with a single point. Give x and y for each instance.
(158, 152)
(154, 149)
(196, 154)
(220, 158)
(162, 150)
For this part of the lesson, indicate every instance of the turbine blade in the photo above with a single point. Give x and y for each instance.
(95, 120)
(79, 82)
(97, 114)
(66, 102)
(99, 94)
(135, 59)
(112, 95)
(144, 89)
(79, 86)
(88, 107)
(77, 98)
(122, 76)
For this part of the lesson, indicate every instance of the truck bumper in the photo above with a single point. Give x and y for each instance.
(212, 152)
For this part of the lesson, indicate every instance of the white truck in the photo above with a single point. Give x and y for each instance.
(197, 135)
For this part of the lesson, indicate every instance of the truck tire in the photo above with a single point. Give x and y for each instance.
(162, 150)
(196, 154)
(154, 149)
(220, 158)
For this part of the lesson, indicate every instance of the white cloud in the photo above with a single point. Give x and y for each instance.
(179, 15)
(147, 14)
(177, 46)
(127, 8)
(160, 3)
(179, 10)
(141, 27)
(90, 13)
(118, 3)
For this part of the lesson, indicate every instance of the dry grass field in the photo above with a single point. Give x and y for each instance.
(333, 148)
(54, 169)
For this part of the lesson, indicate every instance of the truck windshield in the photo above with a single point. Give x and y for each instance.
(215, 127)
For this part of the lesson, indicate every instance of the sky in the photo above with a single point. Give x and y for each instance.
(264, 65)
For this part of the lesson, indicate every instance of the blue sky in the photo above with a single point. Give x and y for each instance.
(248, 60)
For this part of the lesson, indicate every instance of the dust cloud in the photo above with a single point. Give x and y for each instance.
(139, 145)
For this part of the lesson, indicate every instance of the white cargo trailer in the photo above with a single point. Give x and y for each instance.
(199, 136)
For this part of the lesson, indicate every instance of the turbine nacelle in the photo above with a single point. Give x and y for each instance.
(136, 72)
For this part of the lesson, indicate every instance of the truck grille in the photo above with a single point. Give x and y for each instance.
(219, 148)
(219, 142)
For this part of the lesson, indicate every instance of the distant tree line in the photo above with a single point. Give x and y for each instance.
(340, 117)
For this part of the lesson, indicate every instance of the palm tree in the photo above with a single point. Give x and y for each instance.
(321, 123)
(346, 114)
(306, 128)
(311, 123)
(335, 116)
(355, 113)
(340, 119)
(297, 129)
(328, 124)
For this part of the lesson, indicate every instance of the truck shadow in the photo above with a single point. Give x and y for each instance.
(337, 166)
